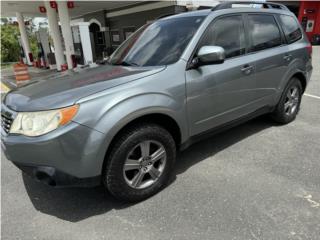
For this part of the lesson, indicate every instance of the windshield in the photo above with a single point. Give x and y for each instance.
(158, 43)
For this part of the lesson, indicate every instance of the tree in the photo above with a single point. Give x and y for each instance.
(4, 21)
(10, 48)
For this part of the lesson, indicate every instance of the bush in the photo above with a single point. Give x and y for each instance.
(10, 48)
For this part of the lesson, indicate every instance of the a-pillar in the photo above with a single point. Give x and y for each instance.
(55, 34)
(24, 37)
(66, 31)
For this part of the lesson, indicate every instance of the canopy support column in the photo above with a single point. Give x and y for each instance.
(66, 31)
(24, 37)
(55, 34)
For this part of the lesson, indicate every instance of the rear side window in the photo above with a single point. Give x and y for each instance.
(291, 28)
(264, 32)
(226, 32)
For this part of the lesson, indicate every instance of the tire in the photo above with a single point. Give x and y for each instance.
(288, 108)
(128, 184)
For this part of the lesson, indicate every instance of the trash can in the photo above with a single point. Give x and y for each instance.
(64, 67)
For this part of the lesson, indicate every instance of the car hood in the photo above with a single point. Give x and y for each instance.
(65, 89)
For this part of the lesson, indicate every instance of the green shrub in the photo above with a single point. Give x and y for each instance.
(10, 48)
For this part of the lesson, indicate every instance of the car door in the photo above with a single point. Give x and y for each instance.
(267, 46)
(219, 93)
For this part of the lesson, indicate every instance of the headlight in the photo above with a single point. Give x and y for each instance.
(39, 123)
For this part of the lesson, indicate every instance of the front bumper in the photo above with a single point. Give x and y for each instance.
(65, 156)
(55, 178)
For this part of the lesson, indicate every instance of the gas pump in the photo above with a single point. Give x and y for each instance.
(309, 16)
(78, 52)
(82, 43)
(43, 47)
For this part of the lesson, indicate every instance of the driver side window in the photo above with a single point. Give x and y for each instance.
(226, 32)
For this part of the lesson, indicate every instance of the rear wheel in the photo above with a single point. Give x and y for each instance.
(289, 104)
(140, 162)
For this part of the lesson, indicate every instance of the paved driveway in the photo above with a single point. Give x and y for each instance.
(256, 181)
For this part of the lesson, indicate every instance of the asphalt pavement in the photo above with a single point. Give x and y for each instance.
(256, 181)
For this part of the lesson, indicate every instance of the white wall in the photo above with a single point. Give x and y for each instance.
(197, 3)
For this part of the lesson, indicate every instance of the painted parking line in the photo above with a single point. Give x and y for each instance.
(310, 95)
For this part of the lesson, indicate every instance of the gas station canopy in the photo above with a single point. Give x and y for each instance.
(91, 30)
(32, 8)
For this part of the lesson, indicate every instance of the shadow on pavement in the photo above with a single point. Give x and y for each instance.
(213, 145)
(70, 204)
(76, 204)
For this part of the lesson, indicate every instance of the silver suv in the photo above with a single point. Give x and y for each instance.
(172, 82)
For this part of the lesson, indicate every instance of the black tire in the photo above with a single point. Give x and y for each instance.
(114, 177)
(281, 113)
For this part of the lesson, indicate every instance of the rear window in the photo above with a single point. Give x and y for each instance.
(291, 28)
(264, 32)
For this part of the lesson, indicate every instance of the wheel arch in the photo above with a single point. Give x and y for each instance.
(302, 79)
(292, 73)
(161, 119)
(164, 120)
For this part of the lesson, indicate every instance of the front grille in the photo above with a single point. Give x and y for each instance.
(6, 121)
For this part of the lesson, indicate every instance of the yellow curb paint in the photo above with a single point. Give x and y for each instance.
(4, 88)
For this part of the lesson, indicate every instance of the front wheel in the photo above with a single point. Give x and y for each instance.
(140, 162)
(289, 104)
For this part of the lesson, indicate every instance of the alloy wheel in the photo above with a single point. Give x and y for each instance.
(292, 100)
(144, 164)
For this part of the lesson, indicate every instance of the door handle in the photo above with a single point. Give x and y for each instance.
(247, 69)
(287, 57)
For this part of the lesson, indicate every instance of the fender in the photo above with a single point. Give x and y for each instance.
(294, 67)
(113, 116)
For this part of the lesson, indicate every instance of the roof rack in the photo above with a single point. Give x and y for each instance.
(270, 5)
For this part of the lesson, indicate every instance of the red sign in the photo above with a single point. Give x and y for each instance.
(70, 4)
(42, 9)
(53, 4)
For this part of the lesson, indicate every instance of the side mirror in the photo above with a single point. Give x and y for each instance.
(210, 55)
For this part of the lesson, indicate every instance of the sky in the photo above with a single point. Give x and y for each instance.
(36, 20)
